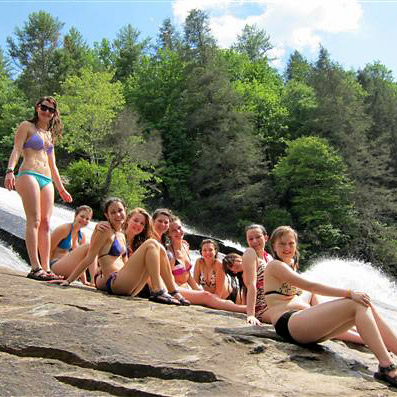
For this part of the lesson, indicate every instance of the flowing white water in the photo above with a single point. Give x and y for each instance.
(342, 273)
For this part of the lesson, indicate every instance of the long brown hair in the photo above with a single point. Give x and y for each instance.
(146, 233)
(278, 233)
(55, 124)
(166, 212)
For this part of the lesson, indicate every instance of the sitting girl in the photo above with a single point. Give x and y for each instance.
(300, 324)
(68, 237)
(208, 270)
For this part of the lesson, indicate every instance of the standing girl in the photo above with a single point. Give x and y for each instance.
(34, 140)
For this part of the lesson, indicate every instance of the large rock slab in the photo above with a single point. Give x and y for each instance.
(77, 341)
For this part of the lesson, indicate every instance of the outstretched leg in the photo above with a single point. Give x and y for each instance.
(66, 265)
(329, 319)
(207, 299)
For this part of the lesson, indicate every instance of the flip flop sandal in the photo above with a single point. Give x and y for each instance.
(38, 274)
(183, 301)
(383, 375)
(163, 297)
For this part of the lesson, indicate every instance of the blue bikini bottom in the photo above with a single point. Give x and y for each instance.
(41, 179)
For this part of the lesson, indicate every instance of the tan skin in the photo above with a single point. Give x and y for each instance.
(132, 273)
(208, 264)
(180, 252)
(135, 226)
(38, 203)
(325, 320)
(256, 242)
(197, 296)
(67, 260)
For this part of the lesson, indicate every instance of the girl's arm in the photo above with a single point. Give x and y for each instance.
(249, 277)
(192, 282)
(283, 272)
(65, 196)
(19, 139)
(197, 270)
(220, 278)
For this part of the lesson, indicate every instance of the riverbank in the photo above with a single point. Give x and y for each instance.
(77, 341)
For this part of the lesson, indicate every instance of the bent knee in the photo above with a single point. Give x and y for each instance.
(151, 243)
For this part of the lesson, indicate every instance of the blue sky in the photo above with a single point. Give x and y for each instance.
(355, 32)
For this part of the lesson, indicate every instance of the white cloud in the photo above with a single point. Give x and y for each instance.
(293, 24)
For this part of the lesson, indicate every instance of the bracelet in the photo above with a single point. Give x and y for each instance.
(349, 293)
(9, 170)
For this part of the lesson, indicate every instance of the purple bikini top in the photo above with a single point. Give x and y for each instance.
(36, 142)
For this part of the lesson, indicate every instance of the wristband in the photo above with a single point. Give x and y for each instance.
(9, 170)
(349, 293)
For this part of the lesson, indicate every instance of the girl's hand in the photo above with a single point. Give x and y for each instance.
(65, 196)
(9, 181)
(252, 320)
(361, 297)
(103, 226)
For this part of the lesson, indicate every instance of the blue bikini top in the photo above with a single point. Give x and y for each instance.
(36, 142)
(66, 243)
(115, 249)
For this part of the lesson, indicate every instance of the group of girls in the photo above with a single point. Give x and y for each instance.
(127, 256)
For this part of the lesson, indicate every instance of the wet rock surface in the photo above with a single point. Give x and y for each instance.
(77, 341)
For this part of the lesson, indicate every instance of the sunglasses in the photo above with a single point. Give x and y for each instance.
(45, 108)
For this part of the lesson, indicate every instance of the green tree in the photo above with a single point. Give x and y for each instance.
(253, 42)
(127, 51)
(97, 126)
(313, 184)
(226, 181)
(90, 104)
(197, 36)
(298, 68)
(157, 91)
(168, 37)
(13, 109)
(74, 55)
(32, 52)
(301, 102)
(104, 58)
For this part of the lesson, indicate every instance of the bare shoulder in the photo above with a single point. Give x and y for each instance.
(26, 126)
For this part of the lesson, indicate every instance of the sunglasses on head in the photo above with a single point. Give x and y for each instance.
(45, 108)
